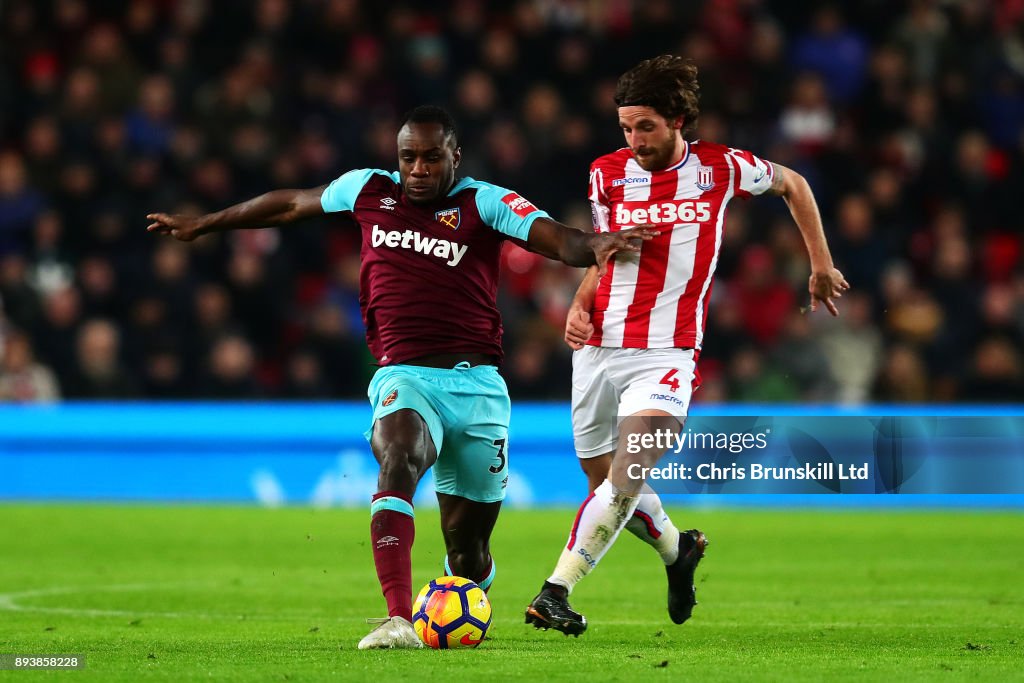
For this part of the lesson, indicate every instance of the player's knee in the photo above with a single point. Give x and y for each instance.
(596, 470)
(644, 438)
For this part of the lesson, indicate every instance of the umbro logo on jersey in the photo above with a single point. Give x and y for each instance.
(635, 180)
(705, 177)
(390, 398)
(451, 218)
(388, 203)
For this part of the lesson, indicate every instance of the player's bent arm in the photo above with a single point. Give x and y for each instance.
(578, 328)
(826, 282)
(584, 299)
(278, 207)
(796, 192)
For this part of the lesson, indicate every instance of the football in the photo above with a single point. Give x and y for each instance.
(451, 612)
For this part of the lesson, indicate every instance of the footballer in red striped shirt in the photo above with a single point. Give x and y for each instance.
(657, 298)
(637, 326)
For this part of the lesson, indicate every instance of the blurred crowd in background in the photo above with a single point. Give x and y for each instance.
(907, 118)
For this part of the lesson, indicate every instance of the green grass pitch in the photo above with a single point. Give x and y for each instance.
(248, 594)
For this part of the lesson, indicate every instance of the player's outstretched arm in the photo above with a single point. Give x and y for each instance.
(577, 248)
(578, 327)
(278, 207)
(826, 282)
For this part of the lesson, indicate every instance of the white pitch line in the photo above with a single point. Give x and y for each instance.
(11, 602)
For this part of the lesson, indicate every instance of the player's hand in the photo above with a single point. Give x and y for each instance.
(184, 228)
(578, 328)
(824, 287)
(607, 244)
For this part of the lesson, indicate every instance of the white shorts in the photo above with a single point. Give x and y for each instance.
(611, 383)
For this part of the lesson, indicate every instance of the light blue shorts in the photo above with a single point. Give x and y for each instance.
(467, 411)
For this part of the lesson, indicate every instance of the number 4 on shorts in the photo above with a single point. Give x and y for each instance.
(670, 379)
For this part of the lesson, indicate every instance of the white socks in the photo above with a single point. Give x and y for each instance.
(598, 523)
(651, 525)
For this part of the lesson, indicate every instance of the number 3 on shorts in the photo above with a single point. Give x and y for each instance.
(670, 380)
(500, 443)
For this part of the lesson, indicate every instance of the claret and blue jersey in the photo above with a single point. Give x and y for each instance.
(429, 273)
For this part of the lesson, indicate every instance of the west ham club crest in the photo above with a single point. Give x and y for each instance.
(450, 218)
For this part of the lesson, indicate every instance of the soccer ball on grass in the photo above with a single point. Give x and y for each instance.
(451, 612)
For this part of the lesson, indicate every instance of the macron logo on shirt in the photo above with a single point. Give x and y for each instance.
(451, 252)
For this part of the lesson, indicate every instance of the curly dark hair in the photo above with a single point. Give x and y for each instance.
(667, 84)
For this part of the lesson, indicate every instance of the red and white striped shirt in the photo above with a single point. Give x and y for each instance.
(658, 298)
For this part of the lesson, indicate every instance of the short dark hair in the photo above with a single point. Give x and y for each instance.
(429, 113)
(667, 84)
